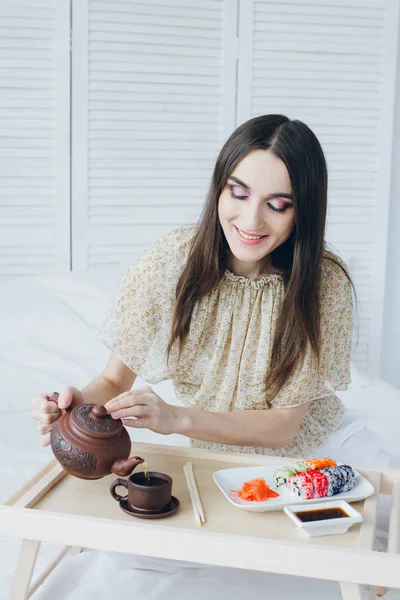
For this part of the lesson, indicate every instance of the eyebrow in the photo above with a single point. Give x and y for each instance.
(282, 194)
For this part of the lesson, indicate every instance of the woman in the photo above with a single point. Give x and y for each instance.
(247, 312)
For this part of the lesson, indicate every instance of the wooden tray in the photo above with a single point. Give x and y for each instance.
(56, 507)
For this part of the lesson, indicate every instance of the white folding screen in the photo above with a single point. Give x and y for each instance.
(34, 137)
(156, 88)
(153, 99)
(332, 64)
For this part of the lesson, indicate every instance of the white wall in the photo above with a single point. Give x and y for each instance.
(390, 360)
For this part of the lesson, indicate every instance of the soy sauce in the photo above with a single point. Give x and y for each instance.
(320, 514)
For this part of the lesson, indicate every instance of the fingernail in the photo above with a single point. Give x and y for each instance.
(62, 402)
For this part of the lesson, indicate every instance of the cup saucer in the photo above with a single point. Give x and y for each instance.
(166, 512)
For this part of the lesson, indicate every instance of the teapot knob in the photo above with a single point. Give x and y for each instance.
(99, 411)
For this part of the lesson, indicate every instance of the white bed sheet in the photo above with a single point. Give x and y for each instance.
(49, 340)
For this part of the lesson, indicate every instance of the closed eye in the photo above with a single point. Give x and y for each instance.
(236, 197)
(277, 209)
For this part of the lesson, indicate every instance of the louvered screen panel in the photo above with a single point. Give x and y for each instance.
(150, 123)
(34, 137)
(331, 64)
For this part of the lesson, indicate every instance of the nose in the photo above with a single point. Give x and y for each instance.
(253, 217)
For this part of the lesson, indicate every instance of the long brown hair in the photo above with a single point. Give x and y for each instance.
(299, 258)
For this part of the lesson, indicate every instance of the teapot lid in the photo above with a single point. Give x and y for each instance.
(94, 420)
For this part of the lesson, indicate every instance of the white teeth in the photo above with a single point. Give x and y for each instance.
(249, 237)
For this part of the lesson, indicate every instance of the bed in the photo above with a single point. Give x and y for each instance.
(49, 340)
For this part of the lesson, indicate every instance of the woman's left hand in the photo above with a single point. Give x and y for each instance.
(149, 409)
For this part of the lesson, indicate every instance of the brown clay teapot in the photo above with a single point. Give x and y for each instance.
(90, 444)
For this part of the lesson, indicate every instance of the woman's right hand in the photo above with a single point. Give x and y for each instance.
(46, 411)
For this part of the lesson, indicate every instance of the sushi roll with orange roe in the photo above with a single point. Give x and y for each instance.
(319, 463)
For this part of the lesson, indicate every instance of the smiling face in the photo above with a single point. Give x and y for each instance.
(256, 201)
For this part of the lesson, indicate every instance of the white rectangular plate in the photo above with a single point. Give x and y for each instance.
(233, 479)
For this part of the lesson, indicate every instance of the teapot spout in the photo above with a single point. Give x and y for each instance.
(125, 466)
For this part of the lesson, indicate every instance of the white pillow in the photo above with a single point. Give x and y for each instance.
(49, 337)
(359, 378)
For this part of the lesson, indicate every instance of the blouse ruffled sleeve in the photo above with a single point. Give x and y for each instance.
(305, 383)
(138, 321)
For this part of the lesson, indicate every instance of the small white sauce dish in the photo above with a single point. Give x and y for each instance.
(324, 526)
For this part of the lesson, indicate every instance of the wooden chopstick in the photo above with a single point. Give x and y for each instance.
(192, 496)
(196, 492)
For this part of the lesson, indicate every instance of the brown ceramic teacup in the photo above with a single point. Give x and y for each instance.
(146, 497)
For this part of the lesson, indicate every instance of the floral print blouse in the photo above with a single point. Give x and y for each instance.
(227, 350)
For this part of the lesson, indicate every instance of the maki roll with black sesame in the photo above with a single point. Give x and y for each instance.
(348, 476)
(335, 480)
(341, 478)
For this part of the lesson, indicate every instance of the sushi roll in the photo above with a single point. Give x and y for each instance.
(320, 483)
(319, 463)
(282, 475)
(300, 466)
(301, 486)
(335, 480)
(348, 477)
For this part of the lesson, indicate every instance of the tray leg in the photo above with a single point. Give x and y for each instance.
(36, 584)
(75, 550)
(350, 591)
(24, 569)
(380, 590)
